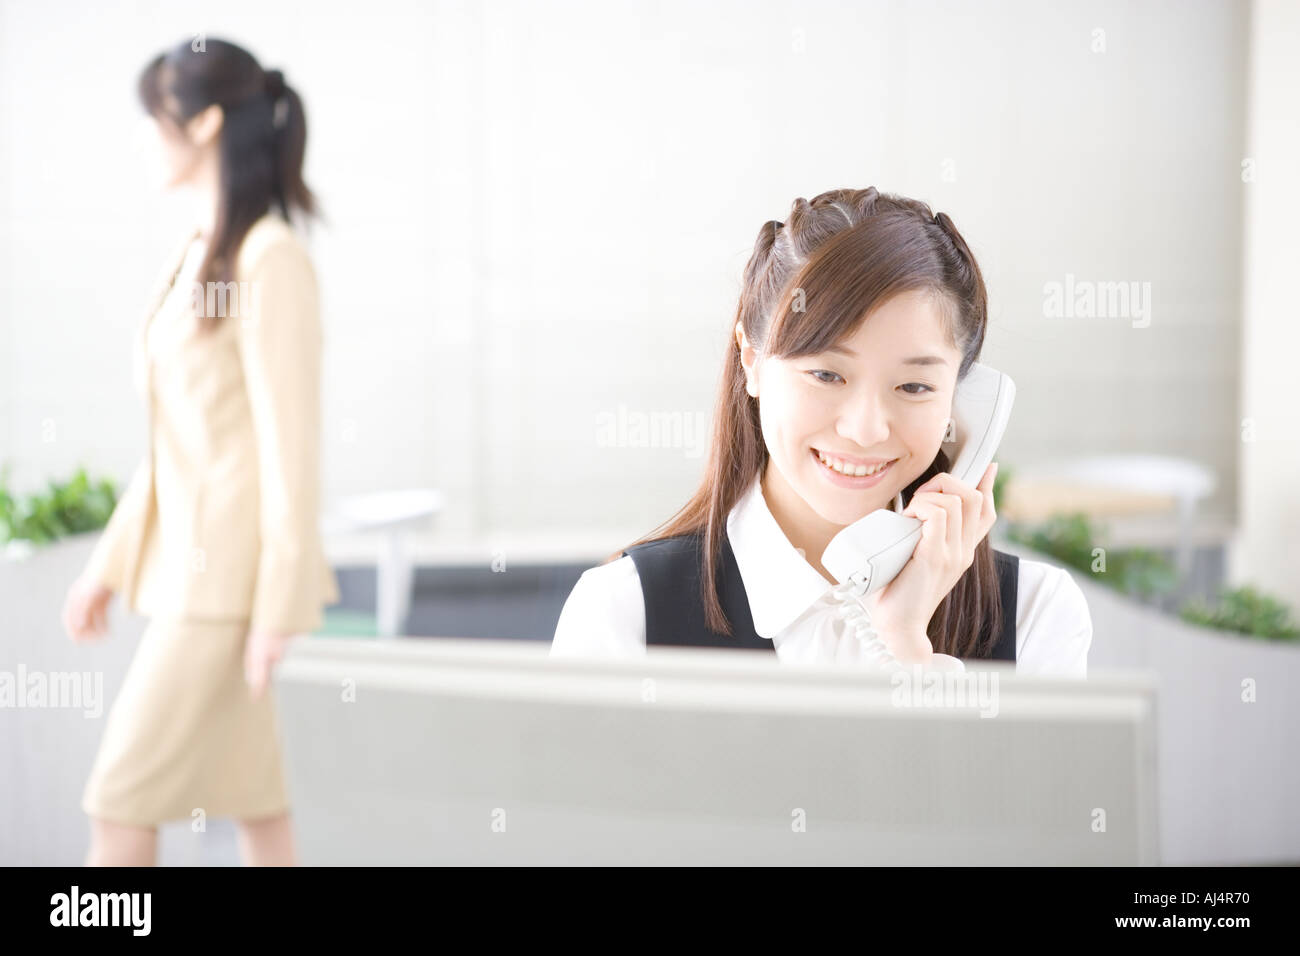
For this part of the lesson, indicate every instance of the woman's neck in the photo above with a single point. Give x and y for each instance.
(205, 189)
(806, 530)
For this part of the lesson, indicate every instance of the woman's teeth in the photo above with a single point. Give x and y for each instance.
(851, 470)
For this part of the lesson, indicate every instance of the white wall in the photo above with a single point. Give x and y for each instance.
(1270, 450)
(538, 213)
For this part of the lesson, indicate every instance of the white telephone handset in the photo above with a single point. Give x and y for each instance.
(868, 554)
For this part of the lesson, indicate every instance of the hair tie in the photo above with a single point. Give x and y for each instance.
(275, 89)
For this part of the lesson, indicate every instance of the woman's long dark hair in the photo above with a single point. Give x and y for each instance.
(847, 251)
(261, 145)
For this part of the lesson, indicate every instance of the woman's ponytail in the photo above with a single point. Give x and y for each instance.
(289, 121)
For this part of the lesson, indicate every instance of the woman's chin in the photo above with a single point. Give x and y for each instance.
(844, 513)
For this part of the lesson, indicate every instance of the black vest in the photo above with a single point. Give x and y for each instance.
(674, 614)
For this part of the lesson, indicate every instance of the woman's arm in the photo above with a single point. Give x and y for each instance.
(604, 615)
(279, 340)
(108, 562)
(85, 608)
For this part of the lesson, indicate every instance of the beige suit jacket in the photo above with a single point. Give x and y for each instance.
(220, 520)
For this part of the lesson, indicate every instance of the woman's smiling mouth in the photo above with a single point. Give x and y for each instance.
(846, 473)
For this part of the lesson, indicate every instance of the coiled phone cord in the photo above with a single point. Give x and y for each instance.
(851, 609)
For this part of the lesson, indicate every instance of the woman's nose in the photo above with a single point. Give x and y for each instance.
(865, 423)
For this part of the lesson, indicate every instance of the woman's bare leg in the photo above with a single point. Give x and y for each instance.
(267, 842)
(117, 844)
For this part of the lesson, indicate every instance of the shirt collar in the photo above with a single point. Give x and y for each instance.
(779, 582)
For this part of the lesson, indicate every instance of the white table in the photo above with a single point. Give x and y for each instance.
(392, 515)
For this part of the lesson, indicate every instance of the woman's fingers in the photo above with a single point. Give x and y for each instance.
(942, 513)
(70, 616)
(99, 618)
(76, 615)
(262, 651)
(990, 473)
(978, 513)
(988, 511)
(85, 611)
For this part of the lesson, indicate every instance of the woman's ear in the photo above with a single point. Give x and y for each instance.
(205, 125)
(748, 360)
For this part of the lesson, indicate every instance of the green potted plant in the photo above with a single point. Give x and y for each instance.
(62, 509)
(1244, 611)
(1073, 540)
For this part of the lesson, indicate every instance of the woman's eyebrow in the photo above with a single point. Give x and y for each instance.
(914, 360)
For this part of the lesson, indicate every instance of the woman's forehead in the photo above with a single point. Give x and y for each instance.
(904, 323)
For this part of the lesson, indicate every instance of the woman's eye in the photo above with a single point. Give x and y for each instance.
(817, 373)
(923, 388)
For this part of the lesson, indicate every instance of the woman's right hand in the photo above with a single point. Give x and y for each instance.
(85, 610)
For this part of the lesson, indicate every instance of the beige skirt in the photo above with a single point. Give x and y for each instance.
(185, 734)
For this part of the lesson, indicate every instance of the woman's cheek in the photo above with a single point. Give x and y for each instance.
(788, 423)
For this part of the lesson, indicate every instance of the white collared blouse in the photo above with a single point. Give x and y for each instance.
(794, 607)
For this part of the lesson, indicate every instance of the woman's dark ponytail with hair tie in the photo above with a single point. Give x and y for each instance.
(275, 89)
(261, 147)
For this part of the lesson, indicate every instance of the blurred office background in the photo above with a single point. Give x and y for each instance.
(536, 219)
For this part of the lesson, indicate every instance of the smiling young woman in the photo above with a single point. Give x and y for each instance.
(858, 318)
